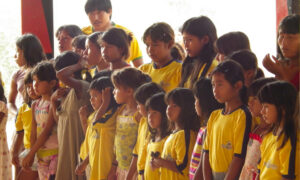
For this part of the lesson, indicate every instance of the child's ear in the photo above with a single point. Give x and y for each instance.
(238, 85)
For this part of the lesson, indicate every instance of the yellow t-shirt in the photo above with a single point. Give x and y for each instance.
(84, 151)
(135, 51)
(227, 136)
(152, 147)
(141, 140)
(23, 123)
(212, 67)
(100, 140)
(168, 76)
(275, 164)
(175, 149)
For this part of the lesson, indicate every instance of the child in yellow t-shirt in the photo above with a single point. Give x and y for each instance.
(141, 95)
(100, 134)
(280, 149)
(228, 128)
(159, 130)
(175, 157)
(23, 128)
(164, 69)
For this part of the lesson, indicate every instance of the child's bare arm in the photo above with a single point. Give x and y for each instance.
(33, 125)
(159, 162)
(235, 168)
(83, 114)
(82, 166)
(207, 172)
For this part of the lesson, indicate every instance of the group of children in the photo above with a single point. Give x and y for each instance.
(211, 115)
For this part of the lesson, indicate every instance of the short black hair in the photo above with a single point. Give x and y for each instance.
(71, 29)
(79, 41)
(100, 5)
(145, 91)
(44, 71)
(245, 58)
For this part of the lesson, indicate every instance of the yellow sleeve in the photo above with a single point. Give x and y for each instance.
(287, 160)
(19, 122)
(182, 140)
(241, 133)
(135, 51)
(143, 157)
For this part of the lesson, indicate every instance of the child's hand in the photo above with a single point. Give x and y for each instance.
(112, 175)
(27, 161)
(83, 61)
(156, 163)
(15, 159)
(59, 93)
(80, 168)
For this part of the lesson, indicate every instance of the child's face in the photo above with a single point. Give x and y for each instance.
(64, 41)
(110, 53)
(120, 94)
(20, 60)
(30, 91)
(100, 20)
(142, 109)
(197, 107)
(41, 87)
(269, 113)
(255, 106)
(193, 45)
(289, 44)
(92, 52)
(173, 111)
(158, 50)
(222, 89)
(95, 99)
(154, 118)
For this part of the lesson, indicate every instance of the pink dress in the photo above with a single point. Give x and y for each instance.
(5, 166)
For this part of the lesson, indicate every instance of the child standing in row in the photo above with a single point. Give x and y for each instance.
(228, 128)
(280, 149)
(164, 69)
(205, 103)
(128, 118)
(199, 35)
(23, 130)
(141, 95)
(175, 158)
(159, 131)
(249, 171)
(5, 167)
(44, 84)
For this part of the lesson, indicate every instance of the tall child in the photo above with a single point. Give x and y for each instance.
(115, 48)
(280, 149)
(69, 69)
(23, 130)
(126, 81)
(175, 157)
(205, 103)
(100, 133)
(44, 84)
(199, 35)
(249, 171)
(228, 128)
(5, 167)
(159, 131)
(141, 95)
(164, 69)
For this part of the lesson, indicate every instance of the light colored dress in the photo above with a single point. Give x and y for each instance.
(70, 134)
(5, 166)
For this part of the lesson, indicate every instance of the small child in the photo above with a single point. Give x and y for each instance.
(23, 128)
(228, 128)
(164, 69)
(280, 149)
(115, 47)
(205, 103)
(125, 82)
(199, 35)
(175, 157)
(141, 95)
(46, 150)
(100, 133)
(5, 167)
(159, 131)
(249, 171)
